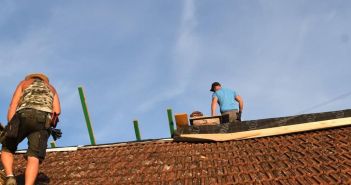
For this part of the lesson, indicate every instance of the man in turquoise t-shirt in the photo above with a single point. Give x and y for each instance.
(229, 101)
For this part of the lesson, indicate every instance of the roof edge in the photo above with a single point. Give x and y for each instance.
(106, 145)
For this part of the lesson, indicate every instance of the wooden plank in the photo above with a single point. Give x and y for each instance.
(212, 120)
(205, 117)
(263, 123)
(181, 120)
(207, 121)
(271, 131)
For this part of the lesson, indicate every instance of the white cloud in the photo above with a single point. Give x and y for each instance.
(186, 54)
(185, 57)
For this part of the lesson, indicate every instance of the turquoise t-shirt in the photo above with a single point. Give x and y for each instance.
(226, 99)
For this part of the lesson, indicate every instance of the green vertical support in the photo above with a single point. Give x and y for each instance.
(171, 122)
(53, 144)
(137, 131)
(86, 115)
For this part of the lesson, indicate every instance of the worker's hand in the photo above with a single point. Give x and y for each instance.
(56, 133)
(238, 115)
(55, 119)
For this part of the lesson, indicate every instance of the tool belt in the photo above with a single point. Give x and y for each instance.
(38, 116)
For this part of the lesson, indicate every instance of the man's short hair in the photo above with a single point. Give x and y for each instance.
(214, 84)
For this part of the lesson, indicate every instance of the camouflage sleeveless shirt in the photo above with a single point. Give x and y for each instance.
(37, 96)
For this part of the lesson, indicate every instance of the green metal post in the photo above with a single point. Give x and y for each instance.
(171, 122)
(53, 144)
(137, 131)
(86, 115)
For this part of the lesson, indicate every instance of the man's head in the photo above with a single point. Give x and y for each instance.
(37, 75)
(215, 86)
(196, 114)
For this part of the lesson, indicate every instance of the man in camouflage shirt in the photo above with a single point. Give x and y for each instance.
(31, 114)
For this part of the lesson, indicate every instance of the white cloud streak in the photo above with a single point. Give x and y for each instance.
(185, 57)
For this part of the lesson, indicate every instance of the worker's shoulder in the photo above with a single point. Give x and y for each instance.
(52, 88)
(24, 83)
(227, 90)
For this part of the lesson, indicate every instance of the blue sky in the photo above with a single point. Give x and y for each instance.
(135, 59)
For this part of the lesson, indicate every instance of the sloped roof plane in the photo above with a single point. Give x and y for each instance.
(313, 157)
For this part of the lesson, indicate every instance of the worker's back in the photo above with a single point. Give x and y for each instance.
(226, 99)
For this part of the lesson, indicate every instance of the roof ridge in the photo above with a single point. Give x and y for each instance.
(105, 145)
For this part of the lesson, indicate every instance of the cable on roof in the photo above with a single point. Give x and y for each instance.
(326, 102)
(340, 97)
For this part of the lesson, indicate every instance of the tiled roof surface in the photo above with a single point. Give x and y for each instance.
(318, 157)
(265, 123)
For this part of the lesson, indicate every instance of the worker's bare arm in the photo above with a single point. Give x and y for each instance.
(214, 106)
(241, 102)
(14, 102)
